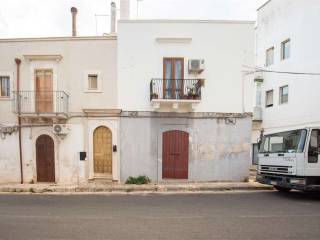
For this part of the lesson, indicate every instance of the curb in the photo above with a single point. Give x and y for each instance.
(133, 188)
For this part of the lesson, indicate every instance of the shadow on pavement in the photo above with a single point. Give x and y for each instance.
(299, 195)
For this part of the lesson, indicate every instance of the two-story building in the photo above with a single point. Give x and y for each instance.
(184, 99)
(58, 103)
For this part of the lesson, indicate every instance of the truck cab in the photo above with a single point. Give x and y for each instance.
(290, 160)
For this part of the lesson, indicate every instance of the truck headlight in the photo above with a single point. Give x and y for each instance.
(298, 181)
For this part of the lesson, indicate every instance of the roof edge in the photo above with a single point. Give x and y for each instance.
(263, 5)
(53, 39)
(187, 21)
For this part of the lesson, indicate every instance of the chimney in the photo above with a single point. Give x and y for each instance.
(124, 9)
(74, 12)
(113, 17)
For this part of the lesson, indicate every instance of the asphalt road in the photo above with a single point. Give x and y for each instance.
(245, 215)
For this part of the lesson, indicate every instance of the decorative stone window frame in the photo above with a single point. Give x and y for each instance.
(86, 81)
(38, 62)
(10, 75)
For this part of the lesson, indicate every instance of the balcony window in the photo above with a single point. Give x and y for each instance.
(4, 86)
(173, 73)
(284, 94)
(269, 98)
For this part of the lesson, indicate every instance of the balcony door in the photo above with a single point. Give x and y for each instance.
(173, 75)
(44, 93)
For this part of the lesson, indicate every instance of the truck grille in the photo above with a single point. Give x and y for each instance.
(275, 169)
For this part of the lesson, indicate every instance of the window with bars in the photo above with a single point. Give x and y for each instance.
(4, 86)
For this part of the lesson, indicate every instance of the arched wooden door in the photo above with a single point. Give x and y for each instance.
(45, 159)
(175, 154)
(102, 151)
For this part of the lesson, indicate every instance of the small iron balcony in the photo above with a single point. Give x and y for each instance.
(40, 102)
(175, 89)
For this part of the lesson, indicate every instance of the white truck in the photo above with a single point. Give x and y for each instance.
(290, 160)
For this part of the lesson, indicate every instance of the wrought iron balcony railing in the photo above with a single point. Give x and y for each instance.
(177, 89)
(40, 102)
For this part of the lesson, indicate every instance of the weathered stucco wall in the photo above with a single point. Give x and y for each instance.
(217, 150)
(68, 167)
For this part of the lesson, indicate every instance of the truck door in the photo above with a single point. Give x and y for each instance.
(313, 161)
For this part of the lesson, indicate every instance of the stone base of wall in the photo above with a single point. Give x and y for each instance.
(219, 144)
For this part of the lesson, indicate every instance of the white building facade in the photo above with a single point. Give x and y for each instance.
(184, 99)
(64, 93)
(287, 42)
(163, 98)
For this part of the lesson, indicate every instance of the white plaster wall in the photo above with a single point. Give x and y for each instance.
(297, 20)
(9, 159)
(79, 56)
(225, 46)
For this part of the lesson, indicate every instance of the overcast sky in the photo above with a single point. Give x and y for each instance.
(39, 18)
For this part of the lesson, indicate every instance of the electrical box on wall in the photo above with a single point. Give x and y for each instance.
(196, 66)
(83, 156)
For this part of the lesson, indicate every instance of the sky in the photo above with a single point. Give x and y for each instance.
(48, 18)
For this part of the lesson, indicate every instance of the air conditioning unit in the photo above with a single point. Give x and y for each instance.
(60, 129)
(196, 65)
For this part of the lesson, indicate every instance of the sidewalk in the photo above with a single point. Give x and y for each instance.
(123, 188)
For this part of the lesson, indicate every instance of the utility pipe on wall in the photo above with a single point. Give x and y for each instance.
(74, 12)
(18, 62)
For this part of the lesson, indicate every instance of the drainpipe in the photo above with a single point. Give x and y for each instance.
(113, 17)
(18, 62)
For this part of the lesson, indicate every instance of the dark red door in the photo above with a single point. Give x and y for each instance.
(45, 159)
(175, 154)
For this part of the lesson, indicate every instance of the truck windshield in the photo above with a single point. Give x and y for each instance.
(284, 142)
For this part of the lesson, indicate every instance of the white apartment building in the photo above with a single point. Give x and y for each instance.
(286, 94)
(287, 41)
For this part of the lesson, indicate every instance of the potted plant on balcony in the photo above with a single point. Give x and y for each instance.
(154, 96)
(192, 93)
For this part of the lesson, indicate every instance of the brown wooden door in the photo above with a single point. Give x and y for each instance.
(44, 93)
(45, 159)
(173, 75)
(175, 154)
(102, 150)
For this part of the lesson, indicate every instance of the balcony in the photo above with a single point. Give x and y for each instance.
(175, 93)
(41, 103)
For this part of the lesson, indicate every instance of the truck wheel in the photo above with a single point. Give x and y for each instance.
(282, 189)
